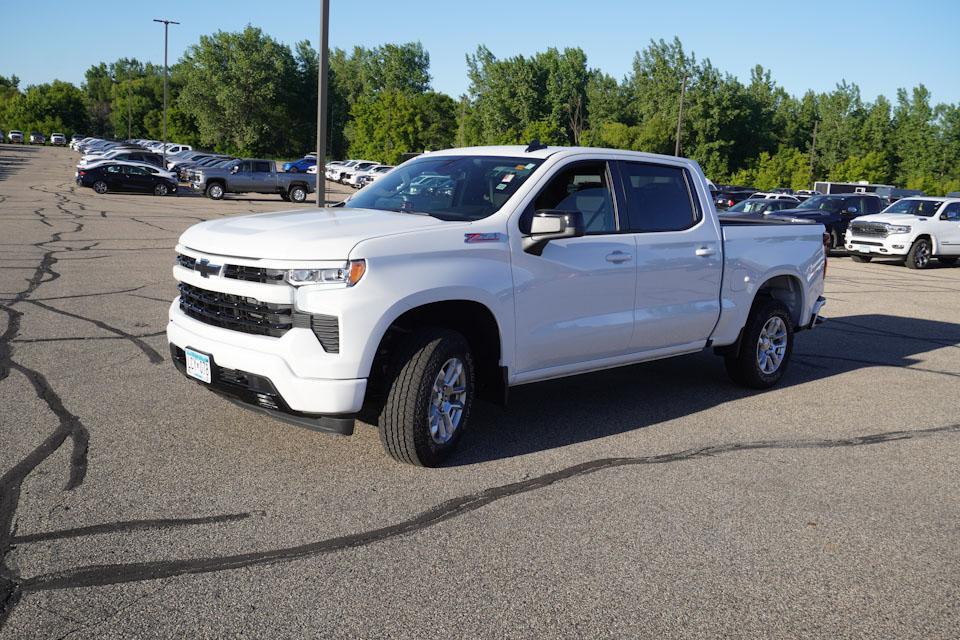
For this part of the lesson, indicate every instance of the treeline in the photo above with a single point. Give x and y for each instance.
(245, 93)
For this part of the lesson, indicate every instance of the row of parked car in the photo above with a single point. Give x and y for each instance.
(15, 136)
(914, 229)
(354, 173)
(161, 168)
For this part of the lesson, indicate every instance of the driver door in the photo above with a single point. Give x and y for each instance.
(948, 231)
(575, 302)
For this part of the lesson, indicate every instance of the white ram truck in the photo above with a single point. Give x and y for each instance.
(914, 230)
(524, 264)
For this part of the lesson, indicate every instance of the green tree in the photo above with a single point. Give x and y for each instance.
(239, 89)
(57, 106)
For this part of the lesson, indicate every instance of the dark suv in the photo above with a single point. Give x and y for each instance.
(835, 212)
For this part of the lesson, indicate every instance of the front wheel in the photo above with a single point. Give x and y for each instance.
(919, 255)
(161, 190)
(215, 192)
(765, 346)
(429, 399)
(857, 258)
(100, 187)
(297, 194)
(294, 170)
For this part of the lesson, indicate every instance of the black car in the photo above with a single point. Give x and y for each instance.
(125, 177)
(762, 205)
(728, 195)
(835, 212)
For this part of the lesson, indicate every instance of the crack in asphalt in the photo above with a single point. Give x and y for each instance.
(102, 575)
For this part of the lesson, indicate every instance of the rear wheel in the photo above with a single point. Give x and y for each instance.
(765, 346)
(215, 191)
(100, 187)
(297, 193)
(857, 258)
(161, 190)
(919, 255)
(948, 261)
(429, 399)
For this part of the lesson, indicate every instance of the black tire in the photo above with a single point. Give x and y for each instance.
(297, 193)
(404, 420)
(100, 187)
(919, 255)
(161, 190)
(294, 170)
(858, 258)
(947, 261)
(215, 191)
(744, 367)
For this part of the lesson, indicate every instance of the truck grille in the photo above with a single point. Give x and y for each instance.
(237, 313)
(238, 271)
(874, 229)
(249, 315)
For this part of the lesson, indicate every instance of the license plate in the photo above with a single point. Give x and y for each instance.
(861, 249)
(198, 365)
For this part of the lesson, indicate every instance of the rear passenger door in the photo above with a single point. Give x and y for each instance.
(262, 177)
(679, 257)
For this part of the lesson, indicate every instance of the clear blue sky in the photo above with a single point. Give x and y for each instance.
(880, 45)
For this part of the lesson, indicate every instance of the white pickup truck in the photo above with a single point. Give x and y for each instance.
(914, 230)
(525, 264)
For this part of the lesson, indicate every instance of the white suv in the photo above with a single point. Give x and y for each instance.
(913, 229)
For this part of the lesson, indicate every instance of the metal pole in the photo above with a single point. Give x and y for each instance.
(322, 102)
(683, 90)
(129, 96)
(166, 26)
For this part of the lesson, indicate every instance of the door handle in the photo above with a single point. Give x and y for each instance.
(618, 256)
(703, 252)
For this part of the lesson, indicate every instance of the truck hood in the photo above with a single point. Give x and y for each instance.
(893, 218)
(308, 234)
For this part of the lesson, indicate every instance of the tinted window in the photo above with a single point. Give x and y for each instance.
(951, 211)
(135, 171)
(584, 188)
(261, 166)
(910, 206)
(658, 197)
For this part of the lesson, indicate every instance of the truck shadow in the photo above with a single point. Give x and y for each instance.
(562, 412)
(12, 158)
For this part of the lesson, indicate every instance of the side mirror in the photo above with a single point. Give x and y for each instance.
(235, 168)
(550, 224)
(850, 210)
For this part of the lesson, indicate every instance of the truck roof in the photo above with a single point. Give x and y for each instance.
(520, 151)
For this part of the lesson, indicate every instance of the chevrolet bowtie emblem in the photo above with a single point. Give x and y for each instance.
(206, 269)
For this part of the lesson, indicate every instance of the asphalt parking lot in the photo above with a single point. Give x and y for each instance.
(651, 501)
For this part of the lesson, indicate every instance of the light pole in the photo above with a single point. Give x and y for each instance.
(322, 102)
(166, 28)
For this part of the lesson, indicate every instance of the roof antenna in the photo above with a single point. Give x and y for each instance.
(535, 145)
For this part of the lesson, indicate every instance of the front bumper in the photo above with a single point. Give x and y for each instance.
(893, 245)
(281, 361)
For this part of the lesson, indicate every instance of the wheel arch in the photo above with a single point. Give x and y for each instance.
(475, 320)
(788, 289)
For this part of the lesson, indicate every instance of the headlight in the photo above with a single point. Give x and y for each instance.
(348, 274)
(896, 228)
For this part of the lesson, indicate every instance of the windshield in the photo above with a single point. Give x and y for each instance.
(755, 205)
(925, 208)
(448, 187)
(822, 203)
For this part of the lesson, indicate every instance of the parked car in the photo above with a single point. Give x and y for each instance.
(3, 137)
(150, 167)
(373, 175)
(300, 166)
(58, 139)
(727, 196)
(132, 155)
(37, 138)
(835, 212)
(347, 173)
(760, 205)
(15, 136)
(335, 172)
(184, 169)
(113, 176)
(775, 195)
(416, 306)
(252, 176)
(912, 229)
(889, 195)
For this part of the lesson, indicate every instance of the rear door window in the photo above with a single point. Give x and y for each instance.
(659, 197)
(261, 166)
